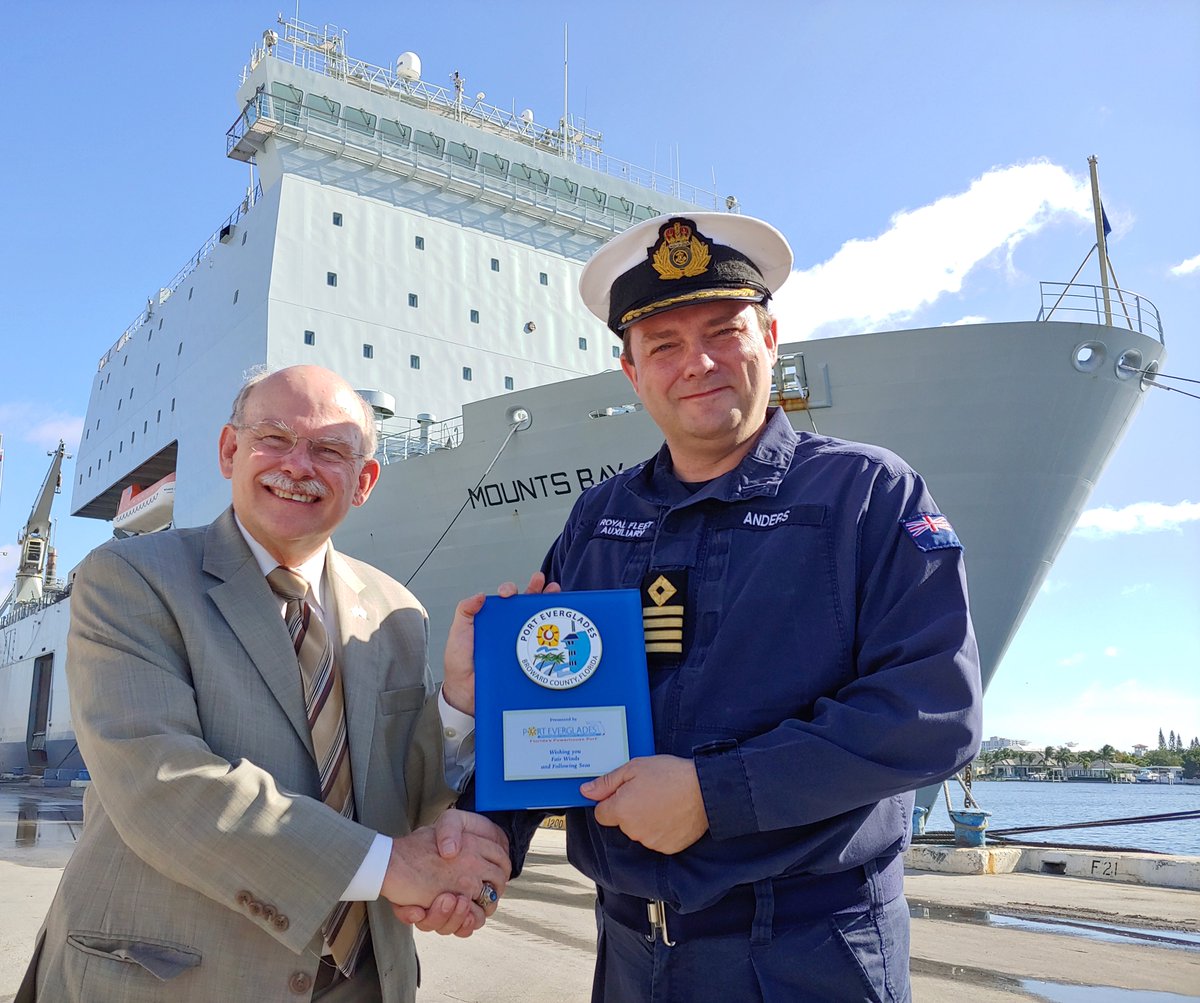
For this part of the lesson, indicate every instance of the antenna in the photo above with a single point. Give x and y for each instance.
(565, 112)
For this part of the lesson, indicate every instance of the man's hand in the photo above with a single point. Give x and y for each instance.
(436, 873)
(458, 686)
(655, 800)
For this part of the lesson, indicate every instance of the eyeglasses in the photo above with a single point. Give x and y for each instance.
(275, 439)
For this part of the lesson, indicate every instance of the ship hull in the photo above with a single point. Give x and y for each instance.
(1009, 433)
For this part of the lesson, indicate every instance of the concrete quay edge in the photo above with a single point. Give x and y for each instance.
(1120, 867)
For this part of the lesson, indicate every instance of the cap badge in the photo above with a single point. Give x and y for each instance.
(680, 252)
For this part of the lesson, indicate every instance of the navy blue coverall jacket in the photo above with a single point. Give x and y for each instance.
(829, 665)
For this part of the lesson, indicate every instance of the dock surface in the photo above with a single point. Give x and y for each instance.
(984, 937)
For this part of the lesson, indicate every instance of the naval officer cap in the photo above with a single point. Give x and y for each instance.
(682, 259)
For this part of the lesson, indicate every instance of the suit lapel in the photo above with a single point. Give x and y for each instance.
(252, 611)
(361, 662)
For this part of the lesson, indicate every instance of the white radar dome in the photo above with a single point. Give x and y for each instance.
(527, 116)
(408, 66)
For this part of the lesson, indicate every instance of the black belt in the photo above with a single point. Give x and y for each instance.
(795, 899)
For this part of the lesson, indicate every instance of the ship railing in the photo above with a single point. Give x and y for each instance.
(267, 113)
(165, 292)
(1075, 301)
(19, 611)
(322, 50)
(401, 438)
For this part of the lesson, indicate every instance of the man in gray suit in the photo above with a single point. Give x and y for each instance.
(212, 858)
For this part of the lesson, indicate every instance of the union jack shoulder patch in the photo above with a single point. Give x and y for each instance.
(931, 531)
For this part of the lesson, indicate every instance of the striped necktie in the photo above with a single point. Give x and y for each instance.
(345, 930)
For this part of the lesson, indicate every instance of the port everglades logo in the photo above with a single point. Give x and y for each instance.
(558, 648)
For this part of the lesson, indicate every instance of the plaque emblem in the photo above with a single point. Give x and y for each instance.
(558, 648)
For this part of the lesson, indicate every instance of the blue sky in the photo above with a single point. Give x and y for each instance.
(927, 161)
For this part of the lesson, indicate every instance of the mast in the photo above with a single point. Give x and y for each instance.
(1101, 244)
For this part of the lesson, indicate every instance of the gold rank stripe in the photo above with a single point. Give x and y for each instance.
(664, 648)
(664, 635)
(663, 611)
(630, 316)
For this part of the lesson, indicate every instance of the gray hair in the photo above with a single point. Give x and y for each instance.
(237, 415)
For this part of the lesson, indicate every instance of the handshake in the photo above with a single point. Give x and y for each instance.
(448, 877)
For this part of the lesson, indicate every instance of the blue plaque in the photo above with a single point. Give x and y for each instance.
(561, 695)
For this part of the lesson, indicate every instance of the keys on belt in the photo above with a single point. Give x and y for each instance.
(656, 912)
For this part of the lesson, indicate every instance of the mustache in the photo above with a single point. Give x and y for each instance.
(281, 482)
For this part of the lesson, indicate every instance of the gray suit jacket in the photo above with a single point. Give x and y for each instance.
(207, 861)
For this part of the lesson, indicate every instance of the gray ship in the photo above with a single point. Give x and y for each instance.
(427, 246)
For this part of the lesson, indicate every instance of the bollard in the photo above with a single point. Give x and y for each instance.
(918, 820)
(969, 826)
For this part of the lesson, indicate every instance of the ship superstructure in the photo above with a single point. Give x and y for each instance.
(400, 233)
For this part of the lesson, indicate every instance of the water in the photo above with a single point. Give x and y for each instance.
(1018, 803)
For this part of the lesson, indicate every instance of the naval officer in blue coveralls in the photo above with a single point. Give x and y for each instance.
(811, 655)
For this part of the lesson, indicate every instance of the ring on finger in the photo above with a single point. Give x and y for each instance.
(487, 896)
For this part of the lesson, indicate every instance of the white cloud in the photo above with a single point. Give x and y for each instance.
(1111, 652)
(1140, 517)
(42, 426)
(1134, 590)
(1051, 586)
(962, 321)
(926, 253)
(1187, 267)
(1072, 660)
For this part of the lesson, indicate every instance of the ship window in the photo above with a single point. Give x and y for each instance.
(563, 186)
(119, 403)
(320, 107)
(543, 278)
(644, 212)
(285, 102)
(157, 367)
(121, 446)
(414, 362)
(179, 350)
(495, 264)
(430, 141)
(310, 337)
(158, 417)
(97, 424)
(110, 456)
(99, 465)
(420, 242)
(191, 289)
(133, 437)
(460, 153)
(593, 196)
(331, 278)
(125, 361)
(235, 295)
(360, 120)
(394, 132)
(160, 320)
(467, 373)
(474, 316)
(583, 343)
(508, 383)
(172, 403)
(493, 164)
(412, 299)
(616, 350)
(87, 434)
(337, 219)
(368, 351)
(244, 236)
(131, 393)
(145, 426)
